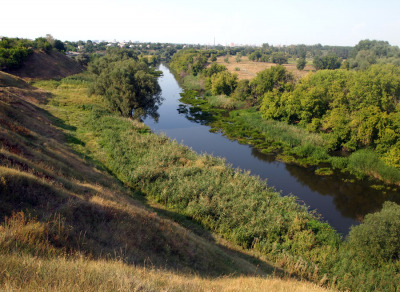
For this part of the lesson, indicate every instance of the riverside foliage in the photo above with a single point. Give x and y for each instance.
(351, 111)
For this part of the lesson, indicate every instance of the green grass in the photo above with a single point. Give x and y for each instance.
(193, 82)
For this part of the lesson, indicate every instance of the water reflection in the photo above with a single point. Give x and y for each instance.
(195, 114)
(149, 107)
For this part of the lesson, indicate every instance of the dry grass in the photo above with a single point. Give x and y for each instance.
(25, 273)
(249, 69)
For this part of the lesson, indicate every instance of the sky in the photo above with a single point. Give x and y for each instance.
(252, 22)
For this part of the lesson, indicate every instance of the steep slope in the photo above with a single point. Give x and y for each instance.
(42, 177)
(42, 65)
(67, 224)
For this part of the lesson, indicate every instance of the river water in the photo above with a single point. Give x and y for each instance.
(339, 202)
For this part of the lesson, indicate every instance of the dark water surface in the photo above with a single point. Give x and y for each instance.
(340, 203)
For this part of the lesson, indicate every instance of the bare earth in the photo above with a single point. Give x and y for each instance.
(249, 69)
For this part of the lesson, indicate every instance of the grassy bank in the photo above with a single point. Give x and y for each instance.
(239, 207)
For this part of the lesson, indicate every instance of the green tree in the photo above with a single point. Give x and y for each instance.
(238, 57)
(279, 58)
(223, 83)
(129, 86)
(42, 44)
(274, 77)
(214, 69)
(330, 61)
(255, 56)
(243, 90)
(301, 64)
(59, 46)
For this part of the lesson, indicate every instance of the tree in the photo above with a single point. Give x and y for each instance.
(83, 59)
(377, 240)
(242, 91)
(59, 46)
(223, 83)
(301, 64)
(279, 58)
(275, 77)
(42, 44)
(330, 61)
(238, 57)
(50, 39)
(214, 69)
(255, 56)
(129, 86)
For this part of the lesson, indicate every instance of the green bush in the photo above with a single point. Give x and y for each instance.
(369, 259)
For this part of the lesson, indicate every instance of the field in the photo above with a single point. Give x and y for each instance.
(249, 69)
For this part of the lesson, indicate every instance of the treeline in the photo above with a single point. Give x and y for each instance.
(14, 51)
(360, 57)
(163, 52)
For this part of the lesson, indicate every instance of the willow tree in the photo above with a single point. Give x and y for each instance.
(129, 86)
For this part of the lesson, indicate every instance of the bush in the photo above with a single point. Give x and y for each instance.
(377, 240)
(369, 259)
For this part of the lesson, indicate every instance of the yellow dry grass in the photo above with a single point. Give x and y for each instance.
(80, 274)
(249, 69)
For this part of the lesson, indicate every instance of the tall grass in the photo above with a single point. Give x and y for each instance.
(367, 163)
(193, 82)
(221, 101)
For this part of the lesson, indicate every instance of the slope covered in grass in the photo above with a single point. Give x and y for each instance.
(66, 224)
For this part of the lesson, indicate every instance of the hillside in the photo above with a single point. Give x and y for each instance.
(69, 225)
(41, 65)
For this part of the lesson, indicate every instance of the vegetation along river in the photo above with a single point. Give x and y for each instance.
(341, 202)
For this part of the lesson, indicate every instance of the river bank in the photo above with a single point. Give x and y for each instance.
(230, 202)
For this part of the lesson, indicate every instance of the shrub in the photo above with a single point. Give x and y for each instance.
(369, 259)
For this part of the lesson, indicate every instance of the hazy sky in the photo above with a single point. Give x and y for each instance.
(278, 22)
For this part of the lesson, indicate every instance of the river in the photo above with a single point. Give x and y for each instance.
(341, 203)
